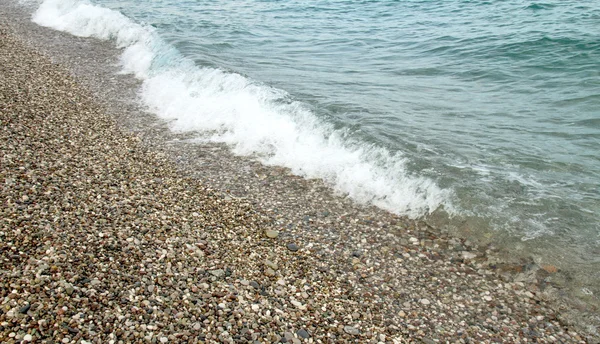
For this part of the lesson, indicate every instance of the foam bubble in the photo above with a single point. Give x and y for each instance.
(252, 118)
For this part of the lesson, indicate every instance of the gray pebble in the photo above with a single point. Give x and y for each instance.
(217, 273)
(303, 333)
(351, 330)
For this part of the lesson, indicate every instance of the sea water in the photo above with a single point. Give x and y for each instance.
(483, 113)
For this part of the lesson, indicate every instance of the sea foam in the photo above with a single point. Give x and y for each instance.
(252, 118)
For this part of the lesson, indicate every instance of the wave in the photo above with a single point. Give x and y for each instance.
(253, 118)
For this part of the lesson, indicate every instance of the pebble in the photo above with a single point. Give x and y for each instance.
(271, 233)
(271, 264)
(468, 255)
(25, 309)
(69, 288)
(292, 247)
(425, 301)
(27, 338)
(217, 272)
(351, 330)
(303, 333)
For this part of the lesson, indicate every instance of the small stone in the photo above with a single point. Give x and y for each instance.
(164, 339)
(401, 314)
(255, 284)
(466, 255)
(351, 330)
(425, 302)
(293, 247)
(551, 269)
(151, 288)
(303, 333)
(270, 272)
(25, 309)
(69, 288)
(271, 264)
(95, 282)
(298, 304)
(217, 273)
(271, 234)
(355, 315)
(288, 335)
(27, 338)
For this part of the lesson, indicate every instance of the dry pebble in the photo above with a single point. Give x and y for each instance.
(107, 241)
(271, 234)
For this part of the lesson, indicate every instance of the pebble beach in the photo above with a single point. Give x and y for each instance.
(103, 239)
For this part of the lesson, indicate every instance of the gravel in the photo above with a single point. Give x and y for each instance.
(108, 240)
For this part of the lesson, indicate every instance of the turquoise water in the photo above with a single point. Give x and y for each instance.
(486, 110)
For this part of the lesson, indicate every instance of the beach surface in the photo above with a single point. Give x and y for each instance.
(105, 238)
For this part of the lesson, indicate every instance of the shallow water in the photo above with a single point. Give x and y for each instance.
(488, 111)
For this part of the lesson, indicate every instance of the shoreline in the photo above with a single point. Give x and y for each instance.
(396, 269)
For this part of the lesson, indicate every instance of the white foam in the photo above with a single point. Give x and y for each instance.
(253, 119)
